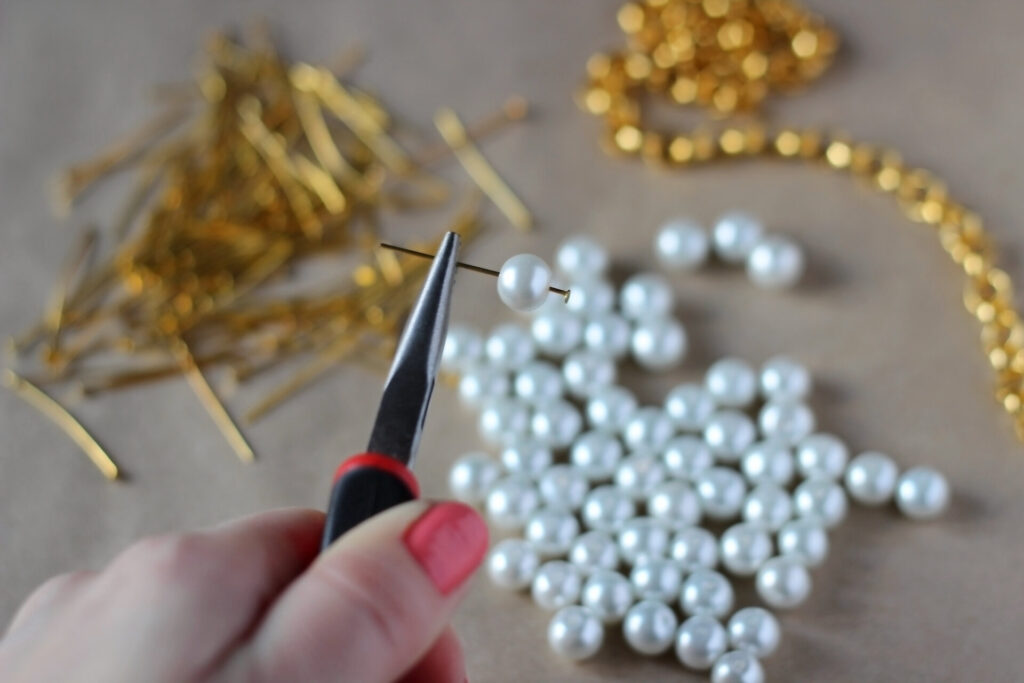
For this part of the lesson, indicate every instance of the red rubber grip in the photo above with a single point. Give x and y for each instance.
(381, 462)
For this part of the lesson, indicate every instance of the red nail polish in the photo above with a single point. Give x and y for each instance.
(449, 541)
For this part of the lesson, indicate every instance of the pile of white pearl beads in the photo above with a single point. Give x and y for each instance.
(611, 498)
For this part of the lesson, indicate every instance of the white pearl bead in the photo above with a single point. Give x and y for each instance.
(638, 474)
(556, 585)
(523, 282)
(563, 486)
(775, 262)
(657, 579)
(556, 423)
(821, 455)
(681, 244)
(509, 347)
(590, 296)
(738, 666)
(648, 429)
(701, 640)
(642, 538)
(734, 236)
(552, 531)
(650, 627)
(581, 256)
(731, 382)
(556, 332)
(768, 462)
(482, 382)
(575, 633)
(658, 343)
(675, 504)
(472, 476)
(609, 408)
(646, 295)
(526, 456)
(596, 455)
(755, 630)
(821, 499)
(728, 433)
(784, 378)
(587, 371)
(922, 493)
(606, 508)
(512, 563)
(608, 334)
(783, 582)
(594, 550)
(511, 501)
(609, 594)
(685, 457)
(721, 491)
(871, 478)
(690, 406)
(769, 506)
(805, 540)
(538, 381)
(705, 591)
(463, 347)
(786, 421)
(503, 419)
(744, 548)
(694, 548)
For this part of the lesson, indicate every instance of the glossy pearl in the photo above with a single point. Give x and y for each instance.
(775, 262)
(685, 457)
(581, 256)
(590, 296)
(511, 501)
(731, 382)
(705, 591)
(675, 504)
(657, 579)
(744, 548)
(650, 627)
(606, 508)
(509, 347)
(659, 343)
(609, 408)
(463, 347)
(738, 666)
(755, 630)
(575, 633)
(822, 500)
(552, 531)
(638, 474)
(769, 506)
(556, 423)
(783, 378)
(503, 419)
(871, 478)
(821, 455)
(587, 371)
(608, 334)
(526, 456)
(642, 538)
(472, 476)
(728, 433)
(721, 491)
(648, 429)
(557, 331)
(922, 493)
(596, 455)
(594, 550)
(786, 421)
(700, 640)
(694, 548)
(538, 381)
(523, 282)
(734, 236)
(512, 563)
(681, 244)
(783, 582)
(481, 382)
(690, 406)
(804, 540)
(646, 295)
(768, 462)
(609, 594)
(556, 585)
(563, 486)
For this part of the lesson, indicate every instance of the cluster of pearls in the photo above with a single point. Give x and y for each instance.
(611, 497)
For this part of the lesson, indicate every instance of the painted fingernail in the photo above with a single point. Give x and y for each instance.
(449, 541)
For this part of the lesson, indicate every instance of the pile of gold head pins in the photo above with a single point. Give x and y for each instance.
(726, 56)
(257, 170)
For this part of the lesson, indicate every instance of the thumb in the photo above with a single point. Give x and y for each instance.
(373, 603)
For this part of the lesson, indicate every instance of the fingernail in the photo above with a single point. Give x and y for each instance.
(449, 541)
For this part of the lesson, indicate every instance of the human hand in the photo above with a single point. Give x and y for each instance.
(251, 600)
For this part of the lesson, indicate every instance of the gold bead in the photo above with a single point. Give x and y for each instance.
(631, 17)
(681, 150)
(596, 101)
(1012, 403)
(638, 66)
(629, 138)
(599, 66)
(787, 143)
(731, 141)
(863, 159)
(684, 90)
(754, 65)
(715, 8)
(805, 44)
(838, 154)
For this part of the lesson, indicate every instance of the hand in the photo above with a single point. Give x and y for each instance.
(250, 600)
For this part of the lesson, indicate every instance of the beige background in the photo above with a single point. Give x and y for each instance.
(879, 319)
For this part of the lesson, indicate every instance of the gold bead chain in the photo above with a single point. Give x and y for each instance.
(727, 56)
